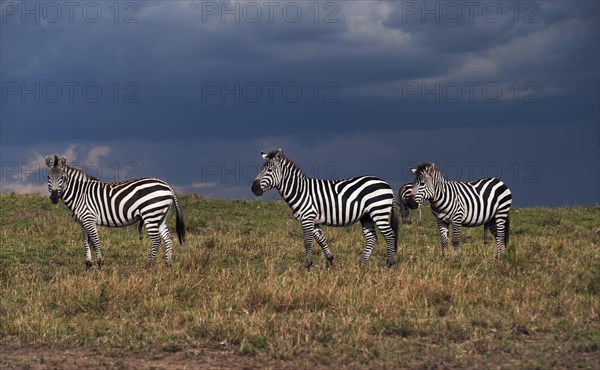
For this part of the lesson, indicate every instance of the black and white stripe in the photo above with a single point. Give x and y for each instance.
(317, 202)
(405, 204)
(94, 202)
(481, 202)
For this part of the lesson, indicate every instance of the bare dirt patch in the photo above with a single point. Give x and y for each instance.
(29, 357)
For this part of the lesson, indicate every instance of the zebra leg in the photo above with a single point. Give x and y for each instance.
(92, 234)
(456, 239)
(485, 233)
(404, 212)
(155, 238)
(140, 226)
(320, 238)
(499, 228)
(88, 252)
(368, 228)
(155, 242)
(167, 237)
(384, 226)
(308, 226)
(487, 227)
(443, 227)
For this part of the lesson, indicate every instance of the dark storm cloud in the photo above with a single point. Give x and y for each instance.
(219, 73)
(366, 45)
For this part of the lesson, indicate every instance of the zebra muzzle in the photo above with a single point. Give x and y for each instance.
(412, 202)
(256, 189)
(54, 196)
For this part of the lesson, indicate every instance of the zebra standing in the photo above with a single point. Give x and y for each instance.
(404, 203)
(94, 202)
(480, 202)
(317, 202)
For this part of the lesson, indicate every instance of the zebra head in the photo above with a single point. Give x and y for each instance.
(269, 175)
(423, 188)
(57, 176)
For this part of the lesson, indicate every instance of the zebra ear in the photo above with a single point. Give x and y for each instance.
(279, 153)
(263, 155)
(49, 161)
(413, 170)
(62, 162)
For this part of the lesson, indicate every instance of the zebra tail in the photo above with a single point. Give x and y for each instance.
(395, 228)
(179, 223)
(506, 231)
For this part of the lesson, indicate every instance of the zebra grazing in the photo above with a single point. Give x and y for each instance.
(94, 202)
(480, 202)
(404, 203)
(317, 202)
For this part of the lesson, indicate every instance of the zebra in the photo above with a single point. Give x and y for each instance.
(404, 203)
(316, 202)
(94, 202)
(474, 203)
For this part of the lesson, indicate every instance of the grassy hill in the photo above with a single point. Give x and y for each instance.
(238, 285)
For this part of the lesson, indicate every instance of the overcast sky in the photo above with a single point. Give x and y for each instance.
(192, 91)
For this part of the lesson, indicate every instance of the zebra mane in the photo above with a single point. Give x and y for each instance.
(429, 168)
(292, 165)
(422, 167)
(272, 154)
(84, 175)
(286, 161)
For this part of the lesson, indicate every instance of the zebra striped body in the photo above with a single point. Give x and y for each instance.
(94, 202)
(405, 205)
(317, 202)
(481, 202)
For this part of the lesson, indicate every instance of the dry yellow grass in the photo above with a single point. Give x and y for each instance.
(239, 283)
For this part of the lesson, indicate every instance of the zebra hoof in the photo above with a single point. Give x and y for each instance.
(330, 262)
(100, 263)
(88, 265)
